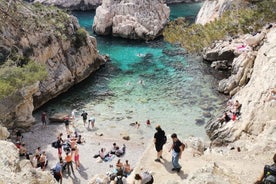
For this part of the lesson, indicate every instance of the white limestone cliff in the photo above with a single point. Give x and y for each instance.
(132, 19)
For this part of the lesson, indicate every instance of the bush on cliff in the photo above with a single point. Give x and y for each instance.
(237, 21)
(13, 77)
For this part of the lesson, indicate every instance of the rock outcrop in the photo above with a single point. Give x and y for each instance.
(54, 39)
(132, 19)
(212, 10)
(14, 170)
(257, 112)
(4, 133)
(238, 55)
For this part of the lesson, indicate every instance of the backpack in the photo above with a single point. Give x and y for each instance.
(270, 174)
(119, 180)
(165, 139)
(55, 144)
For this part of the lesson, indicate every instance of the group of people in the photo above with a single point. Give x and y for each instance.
(177, 147)
(115, 151)
(232, 112)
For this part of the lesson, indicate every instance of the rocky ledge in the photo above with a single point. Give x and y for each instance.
(132, 19)
(54, 39)
(251, 83)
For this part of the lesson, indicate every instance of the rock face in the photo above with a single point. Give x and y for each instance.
(4, 133)
(73, 4)
(51, 38)
(132, 19)
(14, 170)
(239, 55)
(212, 10)
(258, 115)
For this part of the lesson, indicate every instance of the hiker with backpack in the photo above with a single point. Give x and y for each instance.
(269, 174)
(159, 140)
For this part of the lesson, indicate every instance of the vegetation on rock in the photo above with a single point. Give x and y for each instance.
(24, 28)
(239, 20)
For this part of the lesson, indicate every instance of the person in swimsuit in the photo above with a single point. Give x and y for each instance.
(77, 157)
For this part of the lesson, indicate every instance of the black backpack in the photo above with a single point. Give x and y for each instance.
(270, 174)
(119, 180)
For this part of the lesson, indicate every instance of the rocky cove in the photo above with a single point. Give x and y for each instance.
(254, 133)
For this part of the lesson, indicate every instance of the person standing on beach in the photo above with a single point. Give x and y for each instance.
(159, 140)
(43, 118)
(92, 122)
(84, 117)
(177, 149)
(66, 122)
(77, 157)
(68, 159)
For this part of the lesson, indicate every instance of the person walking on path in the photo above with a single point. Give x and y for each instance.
(84, 117)
(159, 140)
(43, 119)
(68, 159)
(177, 149)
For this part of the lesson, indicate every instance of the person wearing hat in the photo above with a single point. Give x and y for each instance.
(159, 141)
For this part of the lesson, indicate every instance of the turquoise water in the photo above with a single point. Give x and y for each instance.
(145, 80)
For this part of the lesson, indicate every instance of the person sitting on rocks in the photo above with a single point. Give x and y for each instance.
(22, 150)
(144, 178)
(236, 108)
(19, 135)
(269, 174)
(225, 118)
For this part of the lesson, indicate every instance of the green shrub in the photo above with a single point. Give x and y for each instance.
(80, 39)
(237, 21)
(13, 78)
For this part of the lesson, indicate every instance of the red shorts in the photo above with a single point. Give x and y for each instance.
(59, 151)
(77, 157)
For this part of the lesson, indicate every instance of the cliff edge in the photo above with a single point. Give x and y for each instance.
(52, 38)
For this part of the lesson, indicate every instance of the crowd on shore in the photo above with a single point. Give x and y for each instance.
(68, 154)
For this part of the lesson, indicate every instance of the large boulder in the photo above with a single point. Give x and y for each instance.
(212, 10)
(4, 133)
(132, 19)
(14, 170)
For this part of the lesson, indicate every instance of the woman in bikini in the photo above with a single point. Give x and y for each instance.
(77, 157)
